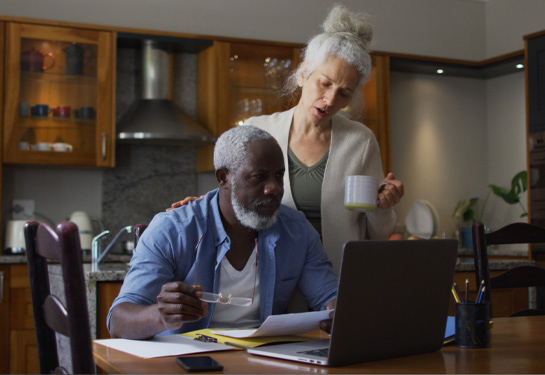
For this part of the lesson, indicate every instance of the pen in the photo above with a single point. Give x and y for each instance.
(236, 345)
(479, 291)
(467, 290)
(459, 293)
(455, 295)
(479, 299)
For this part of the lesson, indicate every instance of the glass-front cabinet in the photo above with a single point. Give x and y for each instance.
(238, 80)
(256, 74)
(59, 96)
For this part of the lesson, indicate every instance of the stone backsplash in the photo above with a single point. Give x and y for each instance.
(148, 178)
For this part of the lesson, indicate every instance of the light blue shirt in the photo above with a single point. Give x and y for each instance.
(290, 255)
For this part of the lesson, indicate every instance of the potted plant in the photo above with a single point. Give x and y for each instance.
(468, 209)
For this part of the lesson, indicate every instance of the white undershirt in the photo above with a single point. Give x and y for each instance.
(238, 284)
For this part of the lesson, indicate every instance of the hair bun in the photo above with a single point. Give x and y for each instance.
(342, 20)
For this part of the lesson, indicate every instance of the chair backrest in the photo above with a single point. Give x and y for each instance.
(50, 315)
(518, 277)
(138, 230)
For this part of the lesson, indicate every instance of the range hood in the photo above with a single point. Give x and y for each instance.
(154, 118)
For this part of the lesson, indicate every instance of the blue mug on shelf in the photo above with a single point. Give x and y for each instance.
(40, 110)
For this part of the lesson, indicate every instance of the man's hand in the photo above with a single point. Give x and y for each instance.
(179, 303)
(183, 202)
(325, 325)
(391, 193)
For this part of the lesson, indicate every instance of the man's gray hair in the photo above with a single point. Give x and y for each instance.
(231, 147)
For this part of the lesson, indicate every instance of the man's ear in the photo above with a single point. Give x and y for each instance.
(223, 177)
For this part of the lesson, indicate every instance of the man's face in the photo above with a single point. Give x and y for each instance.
(258, 186)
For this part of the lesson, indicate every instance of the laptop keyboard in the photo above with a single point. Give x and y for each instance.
(324, 352)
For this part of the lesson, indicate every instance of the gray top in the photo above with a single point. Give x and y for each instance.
(306, 187)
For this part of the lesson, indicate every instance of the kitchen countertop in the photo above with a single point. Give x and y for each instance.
(117, 266)
(496, 251)
(468, 264)
(21, 258)
(106, 272)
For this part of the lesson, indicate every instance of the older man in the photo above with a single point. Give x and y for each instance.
(228, 260)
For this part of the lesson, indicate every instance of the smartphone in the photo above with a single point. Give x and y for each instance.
(202, 363)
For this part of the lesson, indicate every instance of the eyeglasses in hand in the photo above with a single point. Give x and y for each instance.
(219, 297)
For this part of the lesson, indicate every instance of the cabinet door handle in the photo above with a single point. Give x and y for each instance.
(104, 138)
(2, 287)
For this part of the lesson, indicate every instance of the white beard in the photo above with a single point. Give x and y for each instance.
(250, 218)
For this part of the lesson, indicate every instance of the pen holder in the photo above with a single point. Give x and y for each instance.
(472, 325)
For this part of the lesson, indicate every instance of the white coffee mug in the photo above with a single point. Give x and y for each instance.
(43, 146)
(361, 193)
(62, 147)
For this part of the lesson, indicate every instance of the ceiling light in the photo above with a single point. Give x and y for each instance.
(439, 71)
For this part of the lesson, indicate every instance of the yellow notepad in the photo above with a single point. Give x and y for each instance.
(247, 342)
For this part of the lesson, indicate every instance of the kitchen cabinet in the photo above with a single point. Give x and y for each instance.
(2, 42)
(60, 105)
(535, 99)
(23, 352)
(106, 293)
(238, 80)
(535, 80)
(4, 316)
(376, 106)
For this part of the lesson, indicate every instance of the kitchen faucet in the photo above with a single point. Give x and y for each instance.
(96, 257)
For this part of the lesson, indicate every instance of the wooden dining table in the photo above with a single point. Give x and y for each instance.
(517, 346)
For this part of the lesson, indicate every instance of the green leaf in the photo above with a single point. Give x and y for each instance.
(463, 207)
(473, 202)
(518, 186)
(468, 215)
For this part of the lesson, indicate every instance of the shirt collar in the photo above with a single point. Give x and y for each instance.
(215, 223)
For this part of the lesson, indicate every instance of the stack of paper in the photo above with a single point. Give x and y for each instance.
(274, 329)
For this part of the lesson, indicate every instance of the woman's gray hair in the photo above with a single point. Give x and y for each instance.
(231, 147)
(346, 35)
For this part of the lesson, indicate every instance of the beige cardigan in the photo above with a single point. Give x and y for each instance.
(354, 151)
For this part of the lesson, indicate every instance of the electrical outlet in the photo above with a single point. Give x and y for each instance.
(22, 209)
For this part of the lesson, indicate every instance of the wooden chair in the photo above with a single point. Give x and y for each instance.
(518, 277)
(50, 314)
(138, 230)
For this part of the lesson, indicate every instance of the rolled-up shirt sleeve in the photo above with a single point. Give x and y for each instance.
(161, 256)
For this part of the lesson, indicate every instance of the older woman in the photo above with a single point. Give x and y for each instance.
(322, 147)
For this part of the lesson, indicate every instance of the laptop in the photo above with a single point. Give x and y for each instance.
(393, 300)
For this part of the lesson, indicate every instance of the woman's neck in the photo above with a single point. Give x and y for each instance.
(301, 125)
(309, 142)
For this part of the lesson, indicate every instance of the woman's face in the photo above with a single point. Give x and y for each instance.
(328, 89)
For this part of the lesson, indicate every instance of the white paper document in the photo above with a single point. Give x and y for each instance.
(280, 325)
(163, 346)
